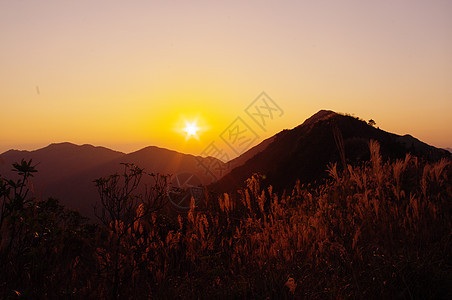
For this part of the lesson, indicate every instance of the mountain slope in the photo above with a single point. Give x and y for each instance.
(305, 151)
(242, 159)
(80, 193)
(59, 160)
(66, 171)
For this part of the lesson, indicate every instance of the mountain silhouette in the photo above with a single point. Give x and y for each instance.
(242, 159)
(66, 171)
(305, 151)
(58, 161)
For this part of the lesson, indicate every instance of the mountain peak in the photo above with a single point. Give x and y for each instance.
(304, 152)
(62, 144)
(320, 115)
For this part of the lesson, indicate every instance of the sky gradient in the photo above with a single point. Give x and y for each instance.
(126, 74)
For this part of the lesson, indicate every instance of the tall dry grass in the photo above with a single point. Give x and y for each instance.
(381, 229)
(378, 230)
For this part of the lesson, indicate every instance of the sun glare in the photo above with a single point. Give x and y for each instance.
(191, 130)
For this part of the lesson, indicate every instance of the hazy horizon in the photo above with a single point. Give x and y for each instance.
(130, 148)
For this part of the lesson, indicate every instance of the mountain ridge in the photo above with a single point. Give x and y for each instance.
(305, 151)
(67, 170)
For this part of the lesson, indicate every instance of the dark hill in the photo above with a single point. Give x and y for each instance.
(58, 161)
(242, 159)
(66, 171)
(305, 151)
(79, 191)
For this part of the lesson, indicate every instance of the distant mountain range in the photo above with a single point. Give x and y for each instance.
(66, 171)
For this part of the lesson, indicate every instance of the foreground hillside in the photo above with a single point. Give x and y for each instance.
(378, 230)
(305, 151)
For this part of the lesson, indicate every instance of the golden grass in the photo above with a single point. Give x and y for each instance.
(366, 232)
(378, 230)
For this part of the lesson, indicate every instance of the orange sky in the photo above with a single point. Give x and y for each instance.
(127, 74)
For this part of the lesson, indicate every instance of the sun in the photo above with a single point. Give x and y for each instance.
(191, 130)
